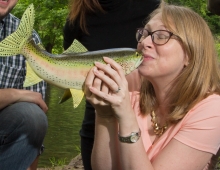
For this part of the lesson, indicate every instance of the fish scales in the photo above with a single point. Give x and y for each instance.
(69, 71)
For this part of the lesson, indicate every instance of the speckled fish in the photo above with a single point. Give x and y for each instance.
(67, 70)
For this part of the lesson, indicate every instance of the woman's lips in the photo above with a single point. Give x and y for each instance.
(147, 57)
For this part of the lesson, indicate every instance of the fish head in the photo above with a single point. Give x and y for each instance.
(131, 62)
(139, 59)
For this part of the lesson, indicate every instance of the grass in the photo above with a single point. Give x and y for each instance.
(59, 162)
(218, 164)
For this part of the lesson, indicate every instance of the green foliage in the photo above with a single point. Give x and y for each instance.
(218, 164)
(50, 17)
(200, 6)
(59, 162)
(218, 49)
(77, 149)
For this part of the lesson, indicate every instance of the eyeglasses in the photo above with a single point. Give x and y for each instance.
(159, 37)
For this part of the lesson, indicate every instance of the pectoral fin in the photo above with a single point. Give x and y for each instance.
(31, 78)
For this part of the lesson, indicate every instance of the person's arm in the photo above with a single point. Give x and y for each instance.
(10, 96)
(108, 152)
(214, 6)
(105, 148)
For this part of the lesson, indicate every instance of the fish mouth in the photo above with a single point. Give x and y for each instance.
(139, 62)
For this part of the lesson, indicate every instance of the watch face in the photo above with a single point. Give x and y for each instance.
(134, 138)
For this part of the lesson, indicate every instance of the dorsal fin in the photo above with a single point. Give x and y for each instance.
(76, 47)
(40, 46)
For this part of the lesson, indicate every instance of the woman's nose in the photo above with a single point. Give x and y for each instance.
(146, 42)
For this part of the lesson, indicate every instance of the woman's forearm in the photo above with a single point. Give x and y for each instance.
(105, 153)
(133, 155)
(110, 153)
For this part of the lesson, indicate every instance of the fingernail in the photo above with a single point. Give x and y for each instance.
(95, 70)
(96, 63)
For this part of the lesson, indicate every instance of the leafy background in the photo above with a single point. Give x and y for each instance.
(50, 17)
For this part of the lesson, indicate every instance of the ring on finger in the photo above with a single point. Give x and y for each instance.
(118, 90)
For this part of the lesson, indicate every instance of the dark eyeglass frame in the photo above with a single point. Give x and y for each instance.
(139, 30)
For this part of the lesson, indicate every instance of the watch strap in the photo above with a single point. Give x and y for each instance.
(132, 138)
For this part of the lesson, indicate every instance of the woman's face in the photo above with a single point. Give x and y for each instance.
(161, 62)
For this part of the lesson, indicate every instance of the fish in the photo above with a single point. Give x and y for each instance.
(67, 70)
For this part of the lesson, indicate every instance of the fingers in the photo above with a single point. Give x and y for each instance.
(43, 106)
(98, 83)
(115, 66)
(92, 81)
(37, 98)
(89, 82)
(33, 97)
(113, 77)
(104, 82)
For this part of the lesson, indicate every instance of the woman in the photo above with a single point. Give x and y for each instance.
(104, 24)
(173, 123)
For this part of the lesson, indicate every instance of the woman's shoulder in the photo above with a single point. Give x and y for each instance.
(211, 102)
(206, 109)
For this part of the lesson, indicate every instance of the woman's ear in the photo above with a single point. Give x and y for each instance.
(186, 62)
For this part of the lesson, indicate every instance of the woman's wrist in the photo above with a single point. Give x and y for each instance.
(126, 126)
(105, 118)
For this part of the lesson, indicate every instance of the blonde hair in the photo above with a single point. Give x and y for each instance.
(80, 8)
(200, 78)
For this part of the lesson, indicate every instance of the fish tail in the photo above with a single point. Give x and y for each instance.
(13, 44)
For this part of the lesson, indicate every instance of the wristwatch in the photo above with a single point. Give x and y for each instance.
(131, 138)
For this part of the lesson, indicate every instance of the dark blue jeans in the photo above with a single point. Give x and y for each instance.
(23, 127)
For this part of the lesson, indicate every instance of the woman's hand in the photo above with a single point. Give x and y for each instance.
(102, 107)
(106, 88)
